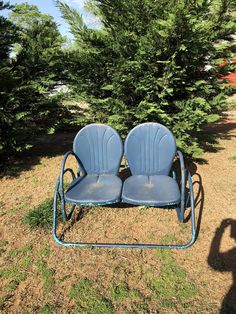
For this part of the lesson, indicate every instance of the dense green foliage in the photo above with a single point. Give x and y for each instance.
(147, 62)
(29, 69)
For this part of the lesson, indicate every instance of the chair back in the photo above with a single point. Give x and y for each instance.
(99, 149)
(150, 149)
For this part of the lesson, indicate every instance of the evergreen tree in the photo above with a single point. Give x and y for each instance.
(35, 64)
(7, 79)
(148, 63)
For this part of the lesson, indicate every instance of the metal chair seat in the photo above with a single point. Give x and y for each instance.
(157, 190)
(94, 189)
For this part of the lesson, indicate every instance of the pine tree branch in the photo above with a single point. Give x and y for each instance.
(72, 17)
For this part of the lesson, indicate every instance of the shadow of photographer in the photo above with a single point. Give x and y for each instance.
(225, 262)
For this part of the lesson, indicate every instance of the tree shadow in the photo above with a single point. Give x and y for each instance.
(45, 146)
(212, 133)
(62, 141)
(225, 262)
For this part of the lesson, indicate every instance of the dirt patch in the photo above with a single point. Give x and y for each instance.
(209, 264)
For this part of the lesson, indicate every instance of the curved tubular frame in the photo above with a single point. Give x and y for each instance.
(180, 211)
(122, 245)
(66, 216)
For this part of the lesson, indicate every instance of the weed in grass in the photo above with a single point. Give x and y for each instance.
(88, 299)
(47, 275)
(173, 285)
(40, 216)
(47, 309)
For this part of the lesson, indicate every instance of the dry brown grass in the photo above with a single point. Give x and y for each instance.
(215, 191)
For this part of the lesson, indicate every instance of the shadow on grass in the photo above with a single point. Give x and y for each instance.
(45, 146)
(211, 134)
(61, 142)
(225, 262)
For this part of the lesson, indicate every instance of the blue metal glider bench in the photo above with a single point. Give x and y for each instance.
(150, 149)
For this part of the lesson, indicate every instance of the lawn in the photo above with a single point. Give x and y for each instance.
(38, 276)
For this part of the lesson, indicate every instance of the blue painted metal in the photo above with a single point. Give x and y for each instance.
(99, 148)
(150, 149)
(61, 183)
(95, 189)
(103, 140)
(122, 245)
(156, 190)
(180, 211)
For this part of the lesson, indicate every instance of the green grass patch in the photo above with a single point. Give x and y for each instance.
(47, 309)
(233, 158)
(119, 292)
(122, 291)
(11, 286)
(20, 262)
(20, 251)
(9, 272)
(47, 276)
(173, 286)
(41, 216)
(2, 302)
(3, 245)
(88, 299)
(124, 298)
(13, 272)
(44, 251)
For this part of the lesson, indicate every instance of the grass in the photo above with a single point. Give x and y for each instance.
(88, 299)
(11, 271)
(11, 286)
(47, 276)
(233, 158)
(125, 298)
(46, 272)
(19, 261)
(172, 287)
(47, 309)
(122, 291)
(44, 251)
(40, 216)
(20, 251)
(3, 245)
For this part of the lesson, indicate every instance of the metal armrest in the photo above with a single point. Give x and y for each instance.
(61, 179)
(192, 204)
(183, 184)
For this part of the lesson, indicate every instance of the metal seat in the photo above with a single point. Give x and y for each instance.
(157, 190)
(94, 190)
